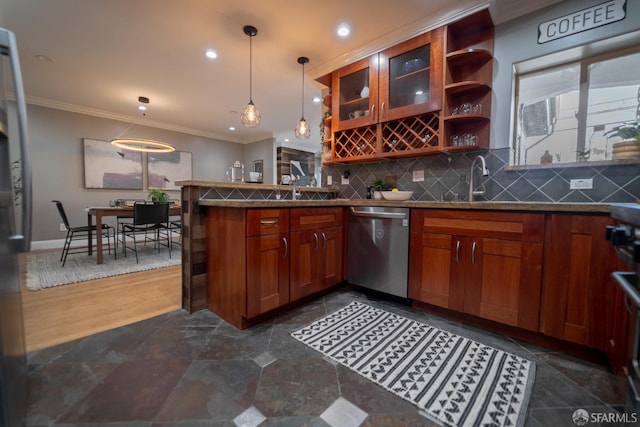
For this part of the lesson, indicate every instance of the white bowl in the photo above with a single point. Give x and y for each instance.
(397, 195)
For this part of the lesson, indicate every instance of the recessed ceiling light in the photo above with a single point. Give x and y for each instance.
(232, 128)
(211, 54)
(316, 99)
(286, 140)
(44, 58)
(343, 30)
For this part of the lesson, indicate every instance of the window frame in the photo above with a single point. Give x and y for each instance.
(584, 56)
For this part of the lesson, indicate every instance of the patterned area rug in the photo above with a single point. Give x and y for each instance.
(45, 270)
(456, 381)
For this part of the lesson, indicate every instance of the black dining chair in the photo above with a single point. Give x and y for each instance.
(82, 232)
(148, 219)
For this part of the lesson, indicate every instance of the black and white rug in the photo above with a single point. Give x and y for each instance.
(456, 381)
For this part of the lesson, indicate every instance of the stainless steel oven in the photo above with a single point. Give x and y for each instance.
(626, 239)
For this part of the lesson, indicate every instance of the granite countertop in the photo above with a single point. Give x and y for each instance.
(288, 203)
(503, 206)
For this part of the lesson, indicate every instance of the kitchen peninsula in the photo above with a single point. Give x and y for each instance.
(248, 256)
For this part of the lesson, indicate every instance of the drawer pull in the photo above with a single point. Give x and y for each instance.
(268, 221)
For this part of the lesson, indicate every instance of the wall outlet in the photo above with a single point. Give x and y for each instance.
(329, 180)
(62, 227)
(581, 184)
(345, 181)
(418, 176)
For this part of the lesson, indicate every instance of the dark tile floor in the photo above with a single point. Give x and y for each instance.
(181, 370)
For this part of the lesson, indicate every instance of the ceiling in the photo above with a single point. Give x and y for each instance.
(98, 56)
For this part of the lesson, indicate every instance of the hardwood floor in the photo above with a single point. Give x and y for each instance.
(56, 315)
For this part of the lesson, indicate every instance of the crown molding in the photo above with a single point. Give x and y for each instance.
(73, 108)
(395, 37)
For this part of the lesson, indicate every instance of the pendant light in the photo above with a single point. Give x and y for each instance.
(302, 128)
(250, 116)
(138, 144)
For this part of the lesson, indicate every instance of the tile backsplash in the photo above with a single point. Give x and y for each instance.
(447, 177)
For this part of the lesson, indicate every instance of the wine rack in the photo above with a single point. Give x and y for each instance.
(412, 135)
(355, 144)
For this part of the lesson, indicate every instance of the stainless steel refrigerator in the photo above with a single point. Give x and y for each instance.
(15, 232)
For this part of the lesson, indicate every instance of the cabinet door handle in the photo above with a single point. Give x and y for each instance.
(383, 114)
(268, 221)
(473, 253)
(458, 251)
(373, 111)
(286, 247)
(324, 241)
(315, 237)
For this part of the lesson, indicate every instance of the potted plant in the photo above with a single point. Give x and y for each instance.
(158, 196)
(627, 132)
(377, 185)
(582, 155)
(629, 147)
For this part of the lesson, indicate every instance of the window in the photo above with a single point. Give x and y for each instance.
(564, 110)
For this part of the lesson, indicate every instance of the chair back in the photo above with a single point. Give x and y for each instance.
(150, 213)
(62, 213)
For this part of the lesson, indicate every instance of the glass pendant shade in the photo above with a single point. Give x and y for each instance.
(250, 116)
(302, 129)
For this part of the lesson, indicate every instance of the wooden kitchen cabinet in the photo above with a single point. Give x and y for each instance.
(268, 252)
(316, 250)
(578, 298)
(386, 105)
(487, 264)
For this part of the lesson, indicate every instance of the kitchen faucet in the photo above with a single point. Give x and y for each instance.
(485, 172)
(296, 191)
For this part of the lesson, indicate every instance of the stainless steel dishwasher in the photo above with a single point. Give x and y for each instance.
(378, 249)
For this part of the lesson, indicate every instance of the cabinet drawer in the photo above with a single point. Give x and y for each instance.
(311, 218)
(528, 227)
(261, 222)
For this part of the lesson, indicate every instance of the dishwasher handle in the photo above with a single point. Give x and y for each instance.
(383, 215)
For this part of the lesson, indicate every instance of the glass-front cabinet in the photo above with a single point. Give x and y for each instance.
(410, 77)
(355, 94)
(426, 95)
(401, 81)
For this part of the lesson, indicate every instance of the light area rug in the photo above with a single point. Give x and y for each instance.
(45, 270)
(456, 381)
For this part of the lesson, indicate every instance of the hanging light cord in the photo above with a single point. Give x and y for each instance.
(129, 127)
(303, 90)
(250, 69)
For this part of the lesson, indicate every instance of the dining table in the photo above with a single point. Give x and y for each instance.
(100, 212)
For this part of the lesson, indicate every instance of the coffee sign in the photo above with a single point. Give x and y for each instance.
(582, 20)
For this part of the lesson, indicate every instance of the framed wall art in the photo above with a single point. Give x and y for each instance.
(109, 167)
(164, 169)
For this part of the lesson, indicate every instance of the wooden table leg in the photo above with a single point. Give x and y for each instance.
(90, 235)
(99, 237)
